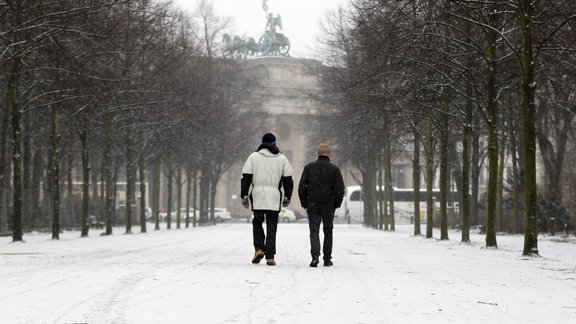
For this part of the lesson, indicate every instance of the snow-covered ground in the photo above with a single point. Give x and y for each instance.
(204, 275)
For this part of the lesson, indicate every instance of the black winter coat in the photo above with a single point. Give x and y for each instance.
(321, 184)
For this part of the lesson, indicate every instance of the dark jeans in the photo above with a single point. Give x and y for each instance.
(265, 242)
(326, 216)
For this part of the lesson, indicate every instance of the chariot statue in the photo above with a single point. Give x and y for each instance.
(270, 43)
(273, 42)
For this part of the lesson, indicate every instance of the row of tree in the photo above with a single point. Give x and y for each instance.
(103, 92)
(443, 77)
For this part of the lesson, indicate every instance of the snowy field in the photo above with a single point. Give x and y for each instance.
(204, 275)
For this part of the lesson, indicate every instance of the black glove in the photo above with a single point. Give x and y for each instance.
(285, 202)
(246, 202)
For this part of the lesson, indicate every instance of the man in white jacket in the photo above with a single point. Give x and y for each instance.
(267, 171)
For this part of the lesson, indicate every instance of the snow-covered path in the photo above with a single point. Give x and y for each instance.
(204, 275)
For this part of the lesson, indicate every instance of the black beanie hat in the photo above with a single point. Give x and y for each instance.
(268, 138)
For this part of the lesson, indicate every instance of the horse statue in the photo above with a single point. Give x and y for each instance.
(252, 48)
(233, 46)
(237, 47)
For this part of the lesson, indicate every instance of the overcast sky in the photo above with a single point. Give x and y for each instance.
(300, 19)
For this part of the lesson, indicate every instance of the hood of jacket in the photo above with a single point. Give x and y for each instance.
(268, 149)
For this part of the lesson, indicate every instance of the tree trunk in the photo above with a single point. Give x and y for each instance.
(194, 199)
(188, 192)
(382, 199)
(492, 115)
(5, 164)
(85, 178)
(466, 168)
(102, 201)
(142, 174)
(429, 152)
(16, 115)
(115, 190)
(72, 221)
(93, 208)
(169, 202)
(389, 188)
(416, 182)
(178, 197)
(526, 11)
(129, 182)
(369, 189)
(475, 171)
(443, 177)
(492, 189)
(213, 190)
(156, 197)
(26, 173)
(108, 177)
(451, 201)
(368, 197)
(55, 173)
(204, 193)
(500, 185)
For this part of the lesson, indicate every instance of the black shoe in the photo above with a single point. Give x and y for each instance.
(314, 262)
(258, 255)
(328, 263)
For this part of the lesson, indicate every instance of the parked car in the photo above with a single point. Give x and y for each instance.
(286, 216)
(191, 212)
(164, 216)
(148, 213)
(174, 215)
(93, 222)
(221, 214)
(301, 214)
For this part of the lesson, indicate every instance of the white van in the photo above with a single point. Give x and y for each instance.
(352, 208)
(353, 205)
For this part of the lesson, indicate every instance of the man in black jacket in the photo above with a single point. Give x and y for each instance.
(321, 190)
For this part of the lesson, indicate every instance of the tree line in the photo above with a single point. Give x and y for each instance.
(116, 93)
(459, 84)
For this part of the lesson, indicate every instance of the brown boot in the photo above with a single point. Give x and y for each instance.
(258, 255)
(270, 262)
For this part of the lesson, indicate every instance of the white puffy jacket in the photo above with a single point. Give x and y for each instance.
(267, 170)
